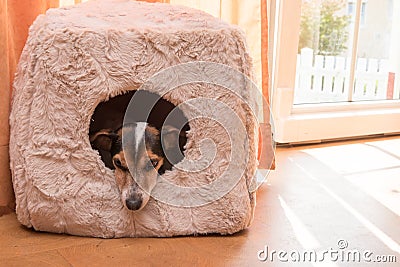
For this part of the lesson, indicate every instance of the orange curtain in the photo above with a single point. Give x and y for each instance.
(15, 18)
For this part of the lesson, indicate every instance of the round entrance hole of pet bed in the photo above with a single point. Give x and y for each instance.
(109, 116)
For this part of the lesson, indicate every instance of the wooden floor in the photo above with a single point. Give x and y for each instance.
(320, 197)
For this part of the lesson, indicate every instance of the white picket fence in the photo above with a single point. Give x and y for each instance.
(326, 78)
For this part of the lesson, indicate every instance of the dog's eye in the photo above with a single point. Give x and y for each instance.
(118, 164)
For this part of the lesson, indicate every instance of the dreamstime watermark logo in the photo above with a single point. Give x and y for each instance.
(341, 253)
(232, 103)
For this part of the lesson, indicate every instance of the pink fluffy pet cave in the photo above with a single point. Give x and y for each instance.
(80, 56)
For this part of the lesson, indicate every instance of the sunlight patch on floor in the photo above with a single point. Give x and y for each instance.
(305, 238)
(374, 167)
(384, 186)
(390, 146)
(353, 158)
(387, 240)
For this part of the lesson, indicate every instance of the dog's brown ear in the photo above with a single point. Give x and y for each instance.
(170, 137)
(103, 139)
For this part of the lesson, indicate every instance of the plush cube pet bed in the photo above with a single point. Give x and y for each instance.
(80, 56)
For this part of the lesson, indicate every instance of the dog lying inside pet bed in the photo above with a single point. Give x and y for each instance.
(80, 57)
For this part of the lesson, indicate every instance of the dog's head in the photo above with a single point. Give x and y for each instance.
(139, 161)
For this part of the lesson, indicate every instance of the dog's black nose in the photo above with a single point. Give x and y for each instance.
(133, 204)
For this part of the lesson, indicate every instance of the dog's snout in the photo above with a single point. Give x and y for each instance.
(133, 203)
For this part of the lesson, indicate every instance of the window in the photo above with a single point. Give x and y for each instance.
(337, 80)
(362, 20)
(341, 57)
(351, 8)
(351, 11)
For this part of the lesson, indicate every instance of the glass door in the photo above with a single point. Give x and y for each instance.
(335, 69)
(348, 50)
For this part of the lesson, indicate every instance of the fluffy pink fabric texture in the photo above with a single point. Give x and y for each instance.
(79, 56)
